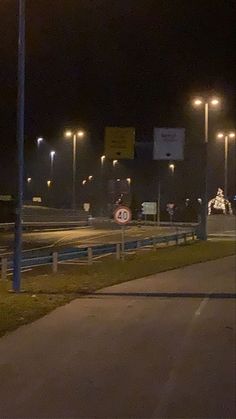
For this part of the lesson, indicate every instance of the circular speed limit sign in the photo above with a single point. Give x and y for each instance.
(122, 215)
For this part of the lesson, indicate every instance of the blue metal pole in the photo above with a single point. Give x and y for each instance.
(20, 148)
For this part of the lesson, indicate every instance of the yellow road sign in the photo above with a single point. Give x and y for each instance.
(119, 142)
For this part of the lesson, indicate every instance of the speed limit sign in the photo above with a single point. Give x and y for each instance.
(122, 215)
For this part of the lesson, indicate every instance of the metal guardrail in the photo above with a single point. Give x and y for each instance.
(44, 224)
(96, 250)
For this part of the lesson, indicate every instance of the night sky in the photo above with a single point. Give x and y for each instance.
(95, 63)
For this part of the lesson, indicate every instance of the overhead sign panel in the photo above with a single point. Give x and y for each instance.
(168, 143)
(119, 142)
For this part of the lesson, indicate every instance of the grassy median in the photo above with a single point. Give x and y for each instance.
(45, 291)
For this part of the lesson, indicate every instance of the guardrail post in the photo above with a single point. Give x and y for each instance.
(4, 269)
(118, 251)
(54, 262)
(138, 244)
(90, 255)
(154, 243)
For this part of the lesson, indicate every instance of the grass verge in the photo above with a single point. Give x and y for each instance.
(45, 291)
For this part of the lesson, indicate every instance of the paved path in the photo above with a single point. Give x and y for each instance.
(157, 347)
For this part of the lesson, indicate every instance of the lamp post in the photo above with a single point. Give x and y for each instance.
(74, 135)
(226, 136)
(210, 103)
(20, 148)
(172, 168)
(39, 141)
(52, 157)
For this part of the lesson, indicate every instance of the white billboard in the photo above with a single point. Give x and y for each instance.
(168, 143)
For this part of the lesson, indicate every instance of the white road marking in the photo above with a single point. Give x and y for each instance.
(24, 270)
(201, 306)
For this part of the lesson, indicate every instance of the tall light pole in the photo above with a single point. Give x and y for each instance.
(210, 103)
(20, 148)
(74, 135)
(230, 134)
(172, 168)
(39, 141)
(52, 157)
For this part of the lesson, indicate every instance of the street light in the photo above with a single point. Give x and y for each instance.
(84, 182)
(226, 136)
(90, 177)
(102, 159)
(49, 183)
(39, 141)
(128, 180)
(52, 157)
(29, 180)
(172, 168)
(114, 163)
(212, 103)
(74, 135)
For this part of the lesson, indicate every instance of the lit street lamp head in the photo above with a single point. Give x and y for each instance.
(29, 179)
(39, 141)
(215, 101)
(80, 134)
(114, 163)
(90, 177)
(197, 102)
(49, 183)
(232, 134)
(84, 182)
(68, 134)
(172, 167)
(52, 154)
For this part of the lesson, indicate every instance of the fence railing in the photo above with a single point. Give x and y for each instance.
(88, 253)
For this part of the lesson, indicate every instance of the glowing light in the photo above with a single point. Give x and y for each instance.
(39, 141)
(118, 180)
(84, 181)
(114, 163)
(172, 167)
(219, 203)
(52, 154)
(80, 133)
(29, 179)
(214, 101)
(90, 177)
(49, 183)
(128, 180)
(220, 135)
(232, 135)
(103, 158)
(197, 102)
(68, 134)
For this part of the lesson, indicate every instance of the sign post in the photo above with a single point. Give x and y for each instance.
(122, 216)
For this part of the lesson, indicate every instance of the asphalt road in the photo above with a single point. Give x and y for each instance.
(78, 237)
(157, 347)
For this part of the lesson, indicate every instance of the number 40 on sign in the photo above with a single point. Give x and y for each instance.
(122, 215)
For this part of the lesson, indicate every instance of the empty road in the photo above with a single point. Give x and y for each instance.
(78, 237)
(157, 347)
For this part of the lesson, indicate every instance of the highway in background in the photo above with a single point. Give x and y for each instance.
(79, 237)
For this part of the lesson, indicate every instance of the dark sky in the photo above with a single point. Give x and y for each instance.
(94, 63)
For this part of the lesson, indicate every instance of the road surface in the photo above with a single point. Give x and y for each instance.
(157, 347)
(79, 237)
